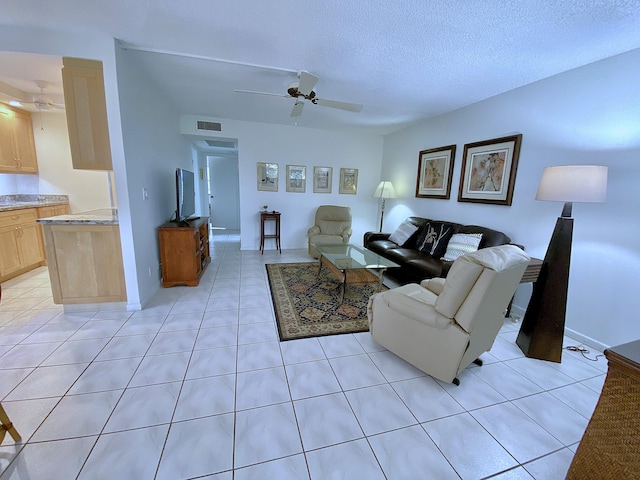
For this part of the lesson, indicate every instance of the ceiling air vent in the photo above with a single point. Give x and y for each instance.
(220, 144)
(209, 126)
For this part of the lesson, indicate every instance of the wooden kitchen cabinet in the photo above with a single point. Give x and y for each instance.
(17, 146)
(86, 108)
(50, 211)
(53, 210)
(20, 243)
(184, 251)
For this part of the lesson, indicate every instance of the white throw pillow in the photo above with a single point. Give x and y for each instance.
(403, 233)
(460, 244)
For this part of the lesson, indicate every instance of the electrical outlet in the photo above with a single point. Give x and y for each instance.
(145, 194)
(149, 272)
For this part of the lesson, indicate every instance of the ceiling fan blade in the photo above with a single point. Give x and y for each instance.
(307, 82)
(297, 109)
(262, 93)
(350, 107)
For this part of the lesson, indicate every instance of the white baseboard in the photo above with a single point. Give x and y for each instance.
(583, 339)
(143, 303)
(518, 312)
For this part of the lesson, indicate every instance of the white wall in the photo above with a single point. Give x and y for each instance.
(154, 149)
(284, 145)
(87, 190)
(590, 115)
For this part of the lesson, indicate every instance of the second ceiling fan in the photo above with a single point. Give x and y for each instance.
(302, 90)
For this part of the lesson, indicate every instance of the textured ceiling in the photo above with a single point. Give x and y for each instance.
(403, 60)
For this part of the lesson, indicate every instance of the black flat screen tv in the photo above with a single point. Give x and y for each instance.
(185, 194)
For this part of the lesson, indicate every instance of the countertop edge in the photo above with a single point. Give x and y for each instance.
(29, 205)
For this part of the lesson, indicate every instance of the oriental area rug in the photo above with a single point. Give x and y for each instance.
(307, 303)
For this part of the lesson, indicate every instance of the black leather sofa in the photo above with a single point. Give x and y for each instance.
(416, 265)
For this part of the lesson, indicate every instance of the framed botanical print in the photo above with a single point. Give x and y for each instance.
(489, 170)
(267, 177)
(322, 179)
(296, 178)
(348, 181)
(435, 170)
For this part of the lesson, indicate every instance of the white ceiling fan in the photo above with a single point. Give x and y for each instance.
(302, 90)
(41, 101)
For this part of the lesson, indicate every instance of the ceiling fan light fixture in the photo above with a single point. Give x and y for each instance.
(303, 89)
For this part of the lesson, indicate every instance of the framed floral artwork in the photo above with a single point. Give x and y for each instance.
(348, 181)
(489, 170)
(267, 177)
(322, 179)
(435, 170)
(296, 178)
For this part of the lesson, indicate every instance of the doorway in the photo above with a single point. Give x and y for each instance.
(224, 191)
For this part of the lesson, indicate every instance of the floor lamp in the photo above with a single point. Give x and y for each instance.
(385, 190)
(542, 329)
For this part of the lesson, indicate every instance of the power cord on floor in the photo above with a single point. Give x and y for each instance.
(583, 351)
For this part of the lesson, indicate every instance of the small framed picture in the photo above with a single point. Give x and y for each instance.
(435, 170)
(489, 170)
(296, 178)
(348, 181)
(322, 179)
(267, 177)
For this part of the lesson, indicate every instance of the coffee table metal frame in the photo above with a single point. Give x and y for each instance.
(353, 264)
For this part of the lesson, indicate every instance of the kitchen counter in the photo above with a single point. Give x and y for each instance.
(104, 216)
(19, 201)
(84, 257)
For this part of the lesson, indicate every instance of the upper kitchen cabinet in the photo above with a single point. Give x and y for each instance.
(17, 147)
(86, 108)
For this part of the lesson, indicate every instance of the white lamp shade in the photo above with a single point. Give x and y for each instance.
(385, 190)
(573, 183)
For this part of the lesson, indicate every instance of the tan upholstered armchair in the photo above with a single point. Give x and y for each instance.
(444, 324)
(332, 225)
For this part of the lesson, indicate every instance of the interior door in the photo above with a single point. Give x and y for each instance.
(224, 197)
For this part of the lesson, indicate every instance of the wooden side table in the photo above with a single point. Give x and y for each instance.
(270, 216)
(610, 446)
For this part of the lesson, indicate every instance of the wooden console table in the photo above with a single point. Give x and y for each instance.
(184, 251)
(610, 447)
(270, 216)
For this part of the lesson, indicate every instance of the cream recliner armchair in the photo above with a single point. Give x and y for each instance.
(444, 324)
(332, 225)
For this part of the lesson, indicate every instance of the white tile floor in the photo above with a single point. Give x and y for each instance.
(198, 385)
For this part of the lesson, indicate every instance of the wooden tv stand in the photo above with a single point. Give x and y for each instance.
(184, 251)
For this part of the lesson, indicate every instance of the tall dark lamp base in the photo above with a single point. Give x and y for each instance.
(542, 329)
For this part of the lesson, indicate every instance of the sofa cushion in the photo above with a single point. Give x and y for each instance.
(380, 246)
(416, 239)
(462, 243)
(402, 255)
(435, 237)
(403, 233)
(424, 266)
(490, 237)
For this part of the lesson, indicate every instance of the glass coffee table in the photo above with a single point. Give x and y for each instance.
(352, 265)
